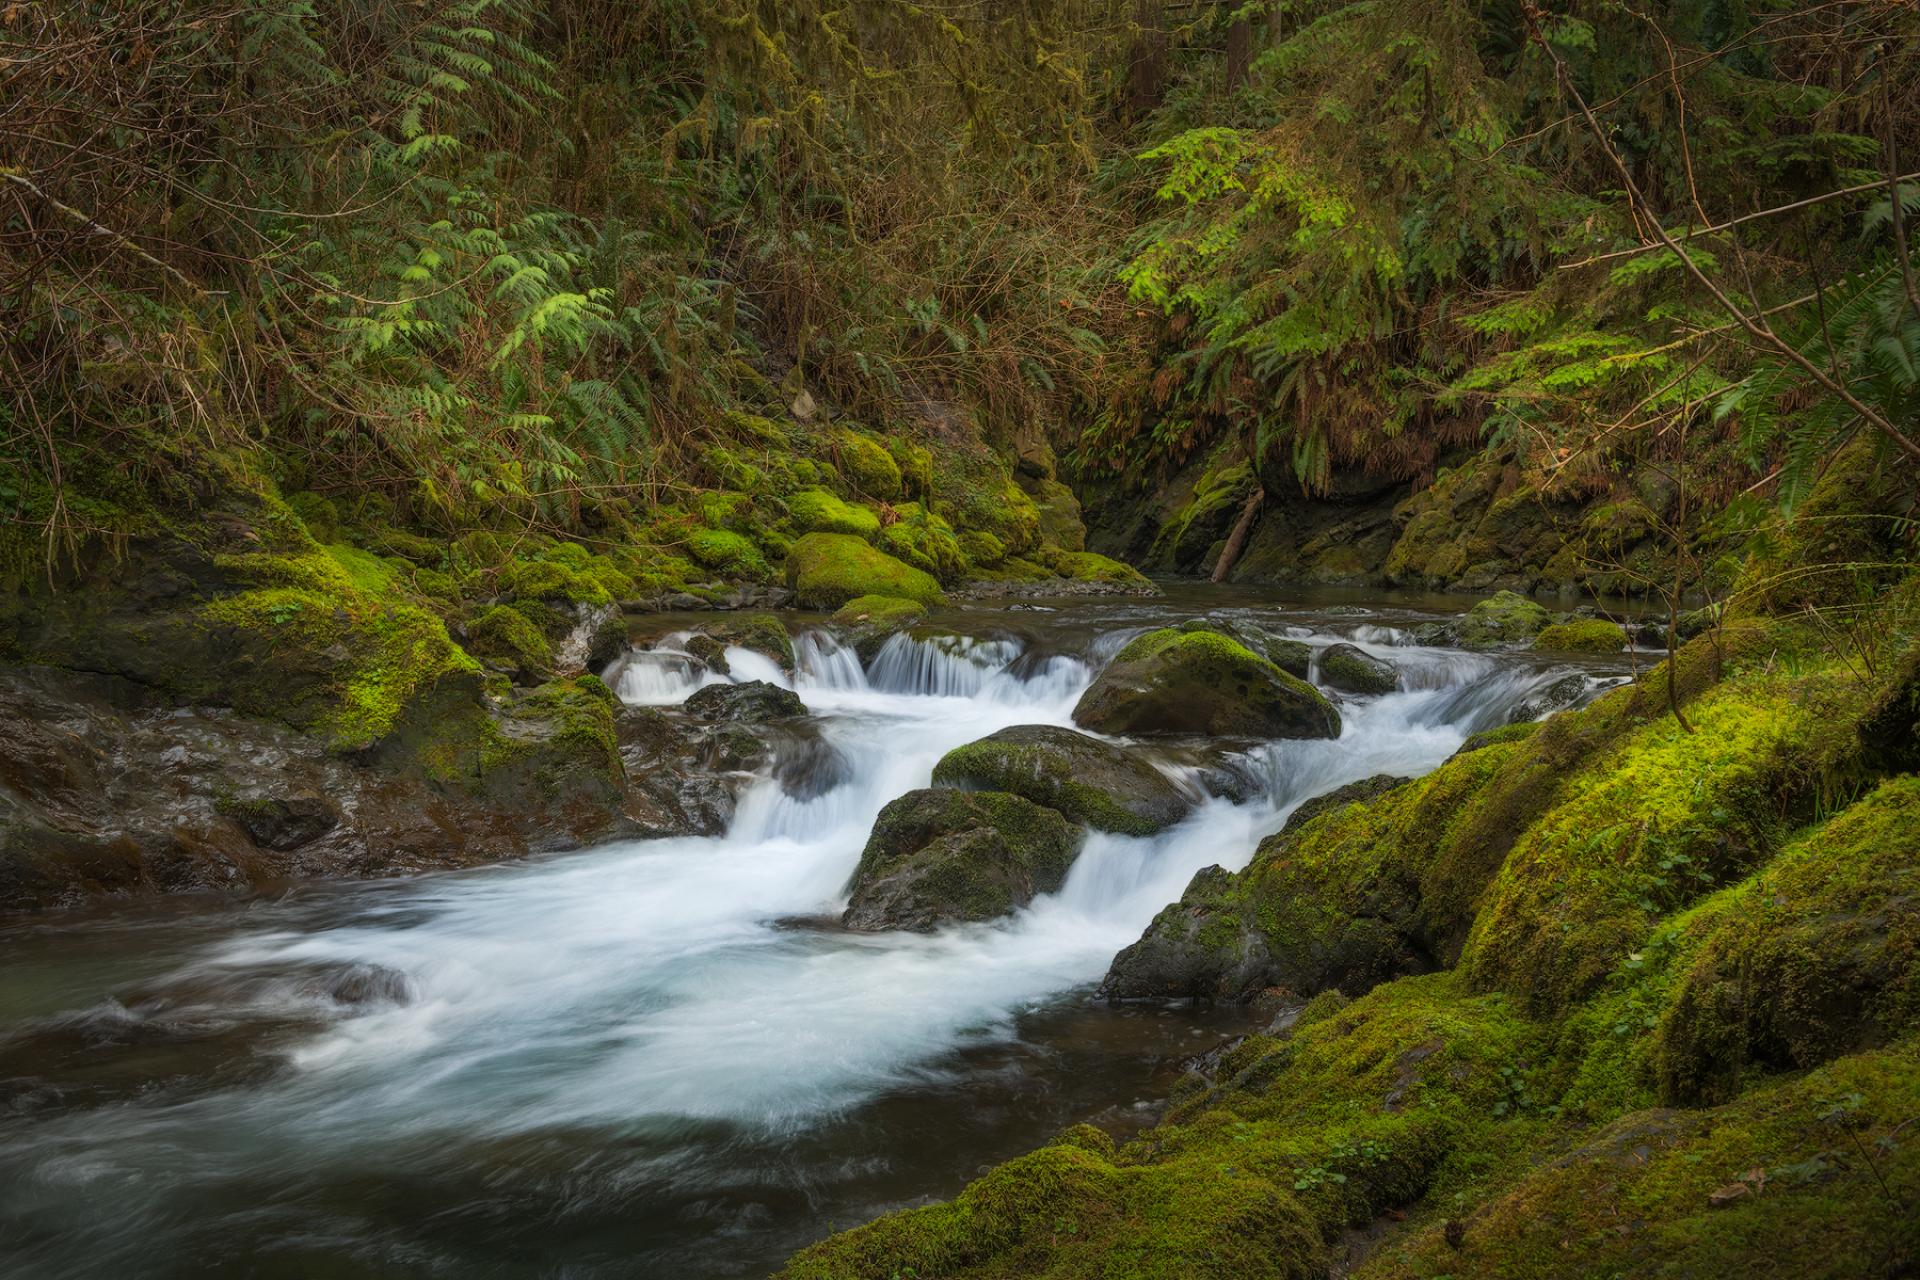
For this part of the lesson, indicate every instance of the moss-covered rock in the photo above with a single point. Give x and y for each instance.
(1090, 781)
(926, 542)
(826, 570)
(867, 465)
(1201, 682)
(1379, 881)
(868, 622)
(817, 511)
(1507, 618)
(939, 855)
(1652, 824)
(725, 551)
(506, 640)
(1352, 669)
(1811, 1177)
(982, 549)
(1086, 566)
(1584, 635)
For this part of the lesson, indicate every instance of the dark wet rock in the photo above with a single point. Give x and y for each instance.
(763, 633)
(1202, 683)
(1563, 693)
(283, 821)
(1352, 669)
(108, 788)
(1088, 780)
(365, 984)
(938, 855)
(754, 700)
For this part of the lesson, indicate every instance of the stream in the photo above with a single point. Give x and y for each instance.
(654, 1058)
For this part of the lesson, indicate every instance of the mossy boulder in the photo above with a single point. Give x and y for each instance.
(1202, 683)
(817, 511)
(924, 541)
(727, 552)
(1366, 884)
(752, 701)
(1091, 567)
(939, 855)
(1507, 618)
(867, 465)
(982, 549)
(826, 570)
(1814, 957)
(1352, 669)
(1090, 781)
(506, 640)
(868, 622)
(1583, 635)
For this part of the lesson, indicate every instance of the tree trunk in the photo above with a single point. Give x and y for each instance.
(1239, 52)
(1237, 540)
(1147, 71)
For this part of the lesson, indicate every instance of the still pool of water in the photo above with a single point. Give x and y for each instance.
(650, 1058)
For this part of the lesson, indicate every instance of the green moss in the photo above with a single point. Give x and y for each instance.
(1586, 635)
(1086, 566)
(1651, 825)
(1202, 682)
(1348, 1118)
(817, 511)
(1503, 618)
(888, 611)
(826, 570)
(564, 572)
(1808, 1178)
(867, 465)
(727, 552)
(924, 541)
(982, 550)
(504, 637)
(916, 468)
(301, 641)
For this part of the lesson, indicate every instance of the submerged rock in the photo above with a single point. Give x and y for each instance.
(754, 700)
(1565, 692)
(939, 855)
(1352, 669)
(1086, 779)
(1202, 682)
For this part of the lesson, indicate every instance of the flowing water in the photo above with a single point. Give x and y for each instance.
(653, 1058)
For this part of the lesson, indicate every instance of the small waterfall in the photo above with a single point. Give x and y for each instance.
(940, 666)
(662, 678)
(824, 663)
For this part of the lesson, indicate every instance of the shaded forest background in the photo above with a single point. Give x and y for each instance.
(521, 264)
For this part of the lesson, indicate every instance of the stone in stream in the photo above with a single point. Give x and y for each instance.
(1202, 683)
(753, 701)
(1090, 781)
(938, 855)
(1352, 669)
(1504, 618)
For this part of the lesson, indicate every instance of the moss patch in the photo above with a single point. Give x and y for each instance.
(1586, 635)
(826, 570)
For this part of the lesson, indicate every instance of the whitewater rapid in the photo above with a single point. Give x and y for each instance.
(657, 989)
